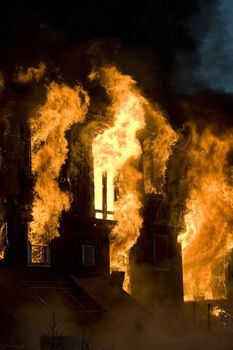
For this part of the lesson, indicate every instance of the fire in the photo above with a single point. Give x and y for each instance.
(3, 239)
(64, 107)
(217, 311)
(207, 238)
(31, 73)
(224, 316)
(115, 152)
(127, 213)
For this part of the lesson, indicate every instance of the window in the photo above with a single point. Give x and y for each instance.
(38, 254)
(161, 253)
(88, 255)
(104, 194)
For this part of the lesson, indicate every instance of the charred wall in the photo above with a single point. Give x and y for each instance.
(156, 268)
(78, 228)
(156, 257)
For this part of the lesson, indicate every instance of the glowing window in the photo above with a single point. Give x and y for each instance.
(38, 255)
(104, 194)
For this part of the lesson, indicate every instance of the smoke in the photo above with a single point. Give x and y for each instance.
(27, 314)
(175, 36)
(124, 328)
(216, 48)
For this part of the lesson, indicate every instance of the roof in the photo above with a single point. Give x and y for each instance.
(112, 298)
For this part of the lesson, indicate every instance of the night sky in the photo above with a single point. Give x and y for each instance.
(182, 46)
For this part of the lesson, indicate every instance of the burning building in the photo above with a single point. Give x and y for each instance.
(57, 195)
(95, 176)
(90, 192)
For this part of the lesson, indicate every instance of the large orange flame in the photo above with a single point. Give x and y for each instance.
(116, 152)
(112, 151)
(207, 238)
(64, 107)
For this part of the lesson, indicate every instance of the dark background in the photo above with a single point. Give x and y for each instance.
(172, 48)
(178, 32)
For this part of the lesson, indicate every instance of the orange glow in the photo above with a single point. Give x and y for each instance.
(31, 73)
(98, 192)
(113, 150)
(99, 203)
(117, 150)
(64, 107)
(207, 238)
(37, 253)
(216, 311)
(125, 233)
(3, 240)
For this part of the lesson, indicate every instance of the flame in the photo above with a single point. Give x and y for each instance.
(127, 213)
(114, 152)
(225, 317)
(217, 311)
(64, 107)
(31, 73)
(207, 238)
(3, 240)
